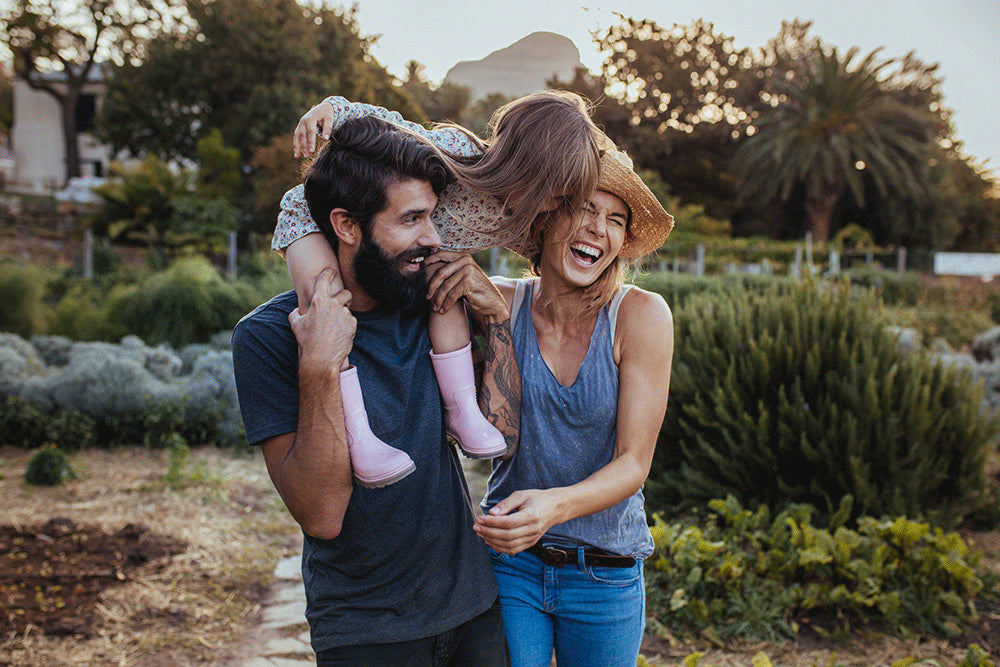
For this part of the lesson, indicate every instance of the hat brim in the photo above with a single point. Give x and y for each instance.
(650, 224)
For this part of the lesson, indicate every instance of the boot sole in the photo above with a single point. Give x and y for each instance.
(491, 454)
(379, 482)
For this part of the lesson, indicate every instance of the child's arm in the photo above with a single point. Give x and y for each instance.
(334, 111)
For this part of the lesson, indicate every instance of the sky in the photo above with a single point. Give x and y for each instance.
(962, 36)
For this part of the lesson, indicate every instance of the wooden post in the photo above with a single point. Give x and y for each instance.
(88, 255)
(901, 260)
(231, 259)
(699, 266)
(796, 268)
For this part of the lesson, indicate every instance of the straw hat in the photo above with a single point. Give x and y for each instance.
(651, 224)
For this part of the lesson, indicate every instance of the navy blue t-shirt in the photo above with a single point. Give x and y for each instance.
(406, 564)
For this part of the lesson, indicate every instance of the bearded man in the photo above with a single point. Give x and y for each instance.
(393, 575)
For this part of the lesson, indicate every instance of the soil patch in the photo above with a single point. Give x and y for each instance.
(125, 566)
(52, 575)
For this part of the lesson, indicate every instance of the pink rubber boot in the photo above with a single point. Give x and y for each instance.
(463, 420)
(375, 463)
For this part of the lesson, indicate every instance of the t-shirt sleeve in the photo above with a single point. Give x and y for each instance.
(265, 363)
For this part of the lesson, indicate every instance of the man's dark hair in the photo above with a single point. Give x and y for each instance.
(363, 158)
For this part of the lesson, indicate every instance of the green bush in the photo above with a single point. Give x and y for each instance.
(177, 459)
(677, 288)
(741, 573)
(48, 467)
(802, 396)
(21, 290)
(157, 425)
(22, 424)
(895, 288)
(934, 320)
(72, 430)
(80, 314)
(188, 303)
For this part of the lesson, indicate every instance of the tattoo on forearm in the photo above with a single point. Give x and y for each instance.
(500, 395)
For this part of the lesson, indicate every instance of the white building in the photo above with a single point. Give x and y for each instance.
(37, 137)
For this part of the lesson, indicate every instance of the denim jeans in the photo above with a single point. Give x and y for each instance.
(589, 615)
(479, 641)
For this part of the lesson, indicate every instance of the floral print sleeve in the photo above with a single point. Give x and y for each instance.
(294, 220)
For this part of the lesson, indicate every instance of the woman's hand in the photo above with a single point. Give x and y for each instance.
(454, 275)
(315, 122)
(519, 520)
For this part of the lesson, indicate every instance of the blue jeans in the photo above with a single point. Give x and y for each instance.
(479, 642)
(589, 615)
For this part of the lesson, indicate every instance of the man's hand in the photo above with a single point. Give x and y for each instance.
(315, 122)
(326, 331)
(454, 275)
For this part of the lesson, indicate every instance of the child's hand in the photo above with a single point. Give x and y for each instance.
(315, 122)
(455, 275)
(326, 331)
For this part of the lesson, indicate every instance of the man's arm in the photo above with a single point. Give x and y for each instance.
(311, 467)
(454, 276)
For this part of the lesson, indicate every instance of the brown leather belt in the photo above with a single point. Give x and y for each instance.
(557, 557)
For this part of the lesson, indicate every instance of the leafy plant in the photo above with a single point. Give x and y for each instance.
(741, 573)
(22, 423)
(21, 290)
(186, 304)
(48, 467)
(802, 396)
(176, 460)
(72, 430)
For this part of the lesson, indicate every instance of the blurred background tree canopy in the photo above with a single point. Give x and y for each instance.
(796, 135)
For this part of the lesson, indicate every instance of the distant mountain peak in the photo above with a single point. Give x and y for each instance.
(519, 69)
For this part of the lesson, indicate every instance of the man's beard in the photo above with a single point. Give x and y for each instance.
(380, 276)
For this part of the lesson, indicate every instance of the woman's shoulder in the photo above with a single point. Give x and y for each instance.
(645, 310)
(507, 287)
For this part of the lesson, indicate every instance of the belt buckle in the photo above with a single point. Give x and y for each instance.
(556, 557)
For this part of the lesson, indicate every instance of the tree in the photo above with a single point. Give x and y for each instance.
(978, 205)
(68, 39)
(678, 100)
(274, 172)
(156, 204)
(831, 122)
(6, 103)
(446, 102)
(250, 69)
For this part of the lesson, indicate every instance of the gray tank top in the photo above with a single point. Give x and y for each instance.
(568, 433)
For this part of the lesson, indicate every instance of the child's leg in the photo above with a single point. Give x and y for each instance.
(373, 462)
(451, 355)
(306, 258)
(449, 331)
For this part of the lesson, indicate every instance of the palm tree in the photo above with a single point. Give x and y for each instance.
(828, 125)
